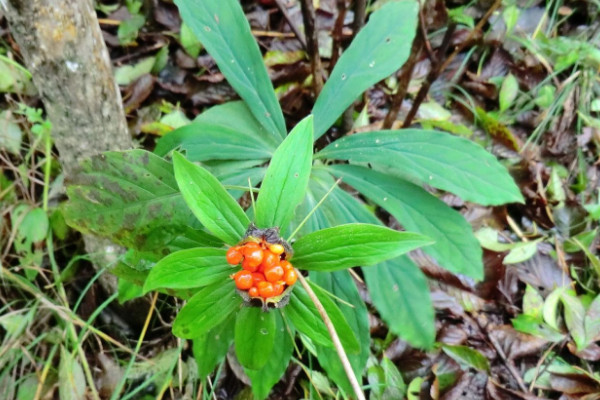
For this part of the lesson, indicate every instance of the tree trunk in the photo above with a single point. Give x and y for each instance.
(63, 48)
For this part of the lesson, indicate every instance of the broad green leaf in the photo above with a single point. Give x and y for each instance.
(223, 30)
(592, 321)
(266, 377)
(455, 247)
(128, 290)
(130, 197)
(207, 309)
(508, 92)
(70, 376)
(394, 285)
(352, 245)
(189, 268)
(467, 357)
(438, 159)
(255, 332)
(385, 380)
(211, 348)
(378, 50)
(550, 309)
(225, 132)
(306, 318)
(533, 303)
(574, 318)
(341, 286)
(286, 178)
(209, 201)
(532, 326)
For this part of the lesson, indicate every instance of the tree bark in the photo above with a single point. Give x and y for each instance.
(62, 46)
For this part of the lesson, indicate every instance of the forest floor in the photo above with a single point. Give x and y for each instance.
(525, 86)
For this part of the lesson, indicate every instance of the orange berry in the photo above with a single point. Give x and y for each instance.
(278, 288)
(248, 266)
(274, 273)
(286, 265)
(234, 256)
(250, 246)
(265, 289)
(269, 260)
(257, 277)
(276, 249)
(290, 277)
(253, 291)
(243, 280)
(254, 257)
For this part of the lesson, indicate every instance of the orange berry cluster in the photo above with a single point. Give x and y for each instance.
(264, 273)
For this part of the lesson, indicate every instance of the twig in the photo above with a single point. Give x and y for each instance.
(312, 44)
(337, 34)
(472, 34)
(403, 83)
(290, 22)
(436, 68)
(360, 13)
(335, 338)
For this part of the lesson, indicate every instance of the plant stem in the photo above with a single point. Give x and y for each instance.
(335, 338)
(403, 83)
(290, 22)
(312, 44)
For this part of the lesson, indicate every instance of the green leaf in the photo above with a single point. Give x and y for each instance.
(266, 377)
(255, 332)
(592, 321)
(533, 303)
(206, 309)
(386, 381)
(533, 326)
(223, 30)
(211, 348)
(467, 357)
(550, 309)
(341, 285)
(286, 178)
(574, 318)
(455, 247)
(352, 245)
(394, 285)
(70, 377)
(306, 318)
(508, 92)
(438, 159)
(130, 197)
(225, 132)
(189, 268)
(378, 50)
(209, 201)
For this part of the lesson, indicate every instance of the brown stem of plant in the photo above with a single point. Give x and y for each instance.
(292, 25)
(334, 337)
(403, 82)
(439, 67)
(431, 77)
(360, 10)
(472, 34)
(337, 34)
(312, 44)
